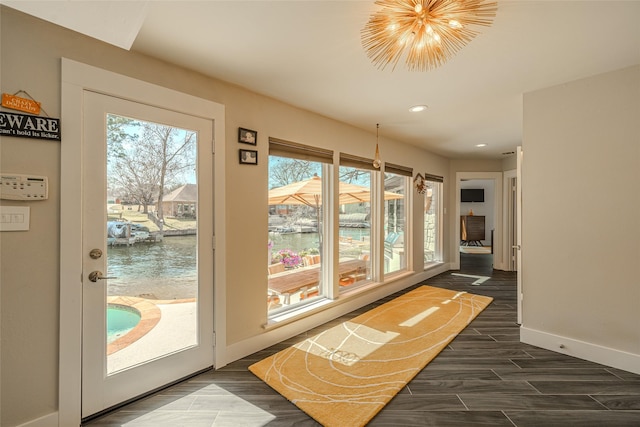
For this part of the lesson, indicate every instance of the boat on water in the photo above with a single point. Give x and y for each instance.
(126, 233)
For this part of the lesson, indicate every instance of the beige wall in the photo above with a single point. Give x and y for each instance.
(509, 162)
(31, 51)
(581, 187)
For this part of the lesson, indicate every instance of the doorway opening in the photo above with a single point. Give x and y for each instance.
(478, 223)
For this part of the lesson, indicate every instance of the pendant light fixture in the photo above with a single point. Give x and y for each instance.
(376, 159)
(423, 33)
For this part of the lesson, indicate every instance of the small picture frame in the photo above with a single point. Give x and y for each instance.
(248, 157)
(247, 136)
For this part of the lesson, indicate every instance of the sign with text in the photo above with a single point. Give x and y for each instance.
(25, 126)
(20, 104)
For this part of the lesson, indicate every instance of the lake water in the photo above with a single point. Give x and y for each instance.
(162, 270)
(306, 241)
(167, 269)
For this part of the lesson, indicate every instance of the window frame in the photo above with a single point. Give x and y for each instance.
(407, 232)
(329, 280)
(438, 189)
(363, 164)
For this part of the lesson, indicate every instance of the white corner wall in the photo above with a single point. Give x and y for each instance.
(581, 198)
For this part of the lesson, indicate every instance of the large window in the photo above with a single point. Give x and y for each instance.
(432, 190)
(354, 221)
(296, 227)
(396, 183)
(325, 225)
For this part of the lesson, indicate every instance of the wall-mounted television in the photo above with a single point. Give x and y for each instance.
(471, 195)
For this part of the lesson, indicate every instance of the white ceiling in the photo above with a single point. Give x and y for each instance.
(309, 54)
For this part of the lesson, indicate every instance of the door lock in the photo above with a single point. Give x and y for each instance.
(95, 253)
(94, 276)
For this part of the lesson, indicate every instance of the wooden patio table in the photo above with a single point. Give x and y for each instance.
(302, 279)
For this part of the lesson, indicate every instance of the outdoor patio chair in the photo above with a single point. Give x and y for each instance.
(389, 242)
(273, 301)
(276, 268)
(308, 293)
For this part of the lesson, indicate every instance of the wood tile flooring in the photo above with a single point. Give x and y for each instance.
(485, 377)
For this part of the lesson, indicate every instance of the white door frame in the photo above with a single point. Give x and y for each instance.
(520, 287)
(77, 77)
(509, 216)
(498, 250)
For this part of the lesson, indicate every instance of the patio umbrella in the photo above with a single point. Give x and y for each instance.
(308, 192)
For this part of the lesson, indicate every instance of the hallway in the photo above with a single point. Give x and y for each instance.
(485, 377)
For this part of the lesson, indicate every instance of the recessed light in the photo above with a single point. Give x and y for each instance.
(418, 108)
(481, 145)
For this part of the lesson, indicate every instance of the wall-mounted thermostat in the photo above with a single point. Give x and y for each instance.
(23, 187)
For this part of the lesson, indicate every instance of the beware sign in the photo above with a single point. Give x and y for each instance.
(26, 126)
(20, 104)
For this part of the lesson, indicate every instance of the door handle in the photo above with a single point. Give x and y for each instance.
(94, 276)
(516, 247)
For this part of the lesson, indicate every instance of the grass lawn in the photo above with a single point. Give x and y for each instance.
(131, 214)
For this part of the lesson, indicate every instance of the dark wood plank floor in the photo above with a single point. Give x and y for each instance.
(485, 377)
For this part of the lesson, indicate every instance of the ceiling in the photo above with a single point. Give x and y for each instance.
(309, 54)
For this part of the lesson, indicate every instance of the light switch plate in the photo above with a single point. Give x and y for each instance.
(14, 218)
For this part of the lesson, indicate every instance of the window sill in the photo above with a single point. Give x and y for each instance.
(306, 310)
(432, 264)
(322, 303)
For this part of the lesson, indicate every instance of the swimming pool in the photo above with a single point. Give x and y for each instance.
(121, 319)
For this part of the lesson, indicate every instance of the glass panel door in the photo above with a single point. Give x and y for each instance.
(148, 266)
(152, 224)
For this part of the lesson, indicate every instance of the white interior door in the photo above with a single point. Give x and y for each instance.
(518, 246)
(147, 294)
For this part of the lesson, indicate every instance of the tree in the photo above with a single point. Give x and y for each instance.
(144, 167)
(119, 130)
(135, 179)
(352, 175)
(284, 170)
(174, 151)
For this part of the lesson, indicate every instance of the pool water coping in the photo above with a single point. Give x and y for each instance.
(150, 315)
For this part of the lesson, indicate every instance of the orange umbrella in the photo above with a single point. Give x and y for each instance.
(308, 192)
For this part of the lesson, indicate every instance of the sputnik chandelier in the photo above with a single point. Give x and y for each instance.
(426, 32)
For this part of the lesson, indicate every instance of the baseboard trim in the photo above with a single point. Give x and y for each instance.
(583, 350)
(45, 421)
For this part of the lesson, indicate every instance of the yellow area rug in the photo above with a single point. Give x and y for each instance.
(346, 374)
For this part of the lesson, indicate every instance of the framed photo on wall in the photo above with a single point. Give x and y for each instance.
(248, 157)
(247, 136)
